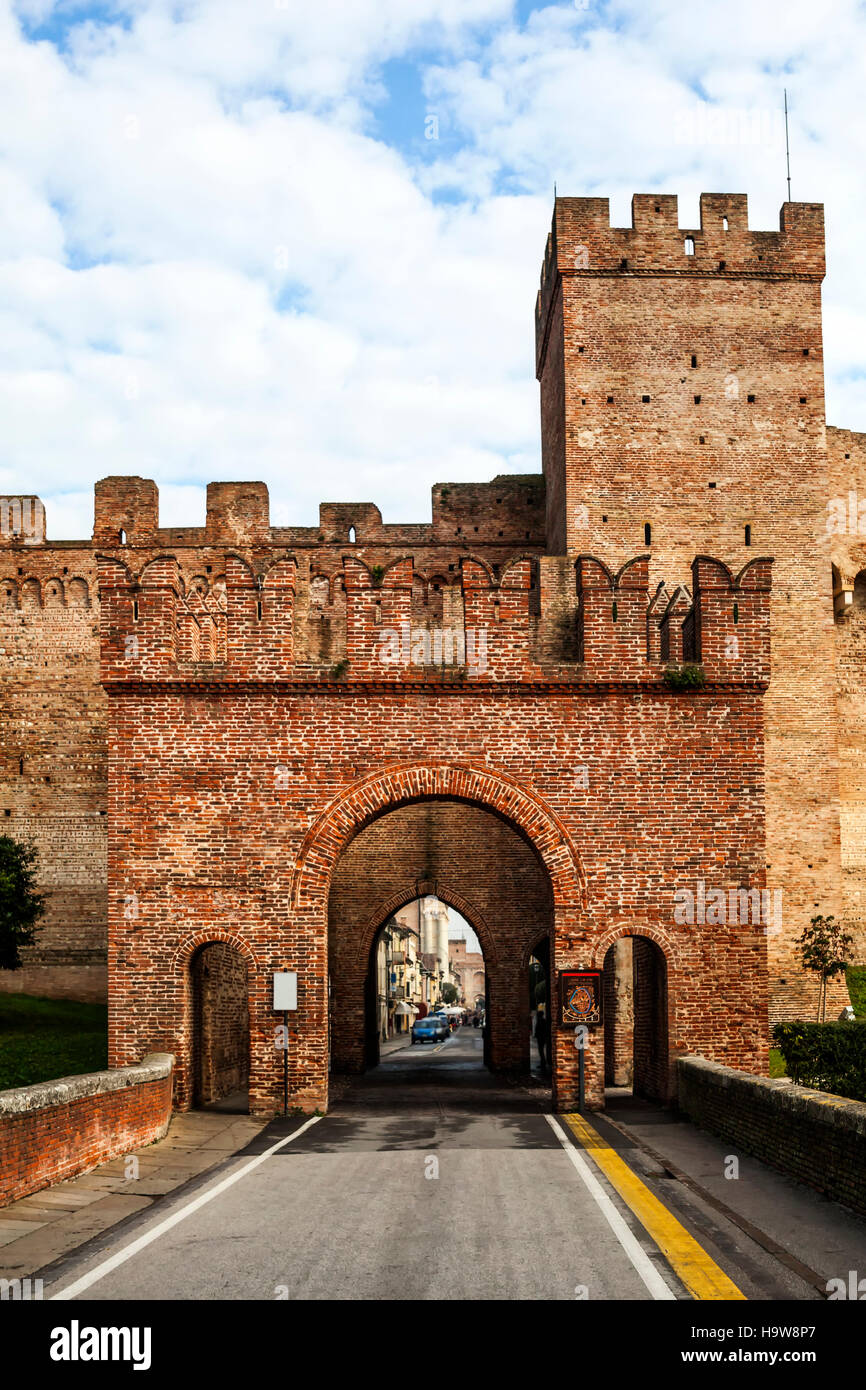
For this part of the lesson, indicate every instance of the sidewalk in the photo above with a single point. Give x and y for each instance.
(39, 1229)
(394, 1044)
(816, 1238)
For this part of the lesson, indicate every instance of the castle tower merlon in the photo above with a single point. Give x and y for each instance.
(243, 599)
(138, 619)
(350, 523)
(497, 614)
(118, 638)
(378, 617)
(125, 511)
(677, 609)
(276, 631)
(158, 604)
(612, 616)
(731, 619)
(584, 242)
(655, 612)
(237, 514)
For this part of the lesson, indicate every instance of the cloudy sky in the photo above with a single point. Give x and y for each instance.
(301, 241)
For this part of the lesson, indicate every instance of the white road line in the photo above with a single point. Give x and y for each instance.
(632, 1247)
(93, 1277)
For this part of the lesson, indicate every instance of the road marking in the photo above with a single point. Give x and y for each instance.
(632, 1247)
(690, 1262)
(93, 1277)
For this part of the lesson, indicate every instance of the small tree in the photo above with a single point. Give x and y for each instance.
(449, 993)
(20, 905)
(825, 949)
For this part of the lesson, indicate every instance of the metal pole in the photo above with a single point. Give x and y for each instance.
(580, 1081)
(787, 145)
(286, 1062)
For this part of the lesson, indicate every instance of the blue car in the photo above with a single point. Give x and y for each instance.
(430, 1029)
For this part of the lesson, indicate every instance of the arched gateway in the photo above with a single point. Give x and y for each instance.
(487, 847)
(288, 763)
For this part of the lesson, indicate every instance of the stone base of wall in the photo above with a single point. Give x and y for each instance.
(88, 984)
(814, 1137)
(58, 1129)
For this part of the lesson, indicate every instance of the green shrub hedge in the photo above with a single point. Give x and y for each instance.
(829, 1056)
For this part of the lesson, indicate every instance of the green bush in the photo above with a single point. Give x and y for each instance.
(856, 978)
(689, 677)
(829, 1056)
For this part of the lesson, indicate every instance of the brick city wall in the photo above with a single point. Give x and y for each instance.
(52, 758)
(54, 1130)
(846, 525)
(816, 1138)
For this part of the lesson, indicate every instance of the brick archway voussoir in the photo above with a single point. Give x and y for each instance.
(665, 943)
(337, 825)
(211, 937)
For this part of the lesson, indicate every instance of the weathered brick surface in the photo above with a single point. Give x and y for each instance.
(685, 393)
(846, 525)
(52, 758)
(816, 1138)
(54, 1130)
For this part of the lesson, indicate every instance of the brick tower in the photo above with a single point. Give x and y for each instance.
(682, 408)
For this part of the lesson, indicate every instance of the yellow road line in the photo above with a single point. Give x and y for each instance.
(690, 1262)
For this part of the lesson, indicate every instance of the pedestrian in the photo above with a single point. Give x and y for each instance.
(542, 1034)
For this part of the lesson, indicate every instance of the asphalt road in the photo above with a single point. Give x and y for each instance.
(429, 1179)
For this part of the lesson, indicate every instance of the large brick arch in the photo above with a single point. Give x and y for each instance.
(364, 802)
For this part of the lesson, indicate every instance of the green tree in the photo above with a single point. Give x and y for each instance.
(20, 905)
(825, 950)
(449, 993)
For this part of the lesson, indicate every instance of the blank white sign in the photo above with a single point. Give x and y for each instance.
(286, 989)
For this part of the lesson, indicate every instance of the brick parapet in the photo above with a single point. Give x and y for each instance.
(505, 624)
(816, 1138)
(56, 1129)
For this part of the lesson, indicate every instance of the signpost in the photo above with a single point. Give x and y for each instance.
(285, 1000)
(581, 1004)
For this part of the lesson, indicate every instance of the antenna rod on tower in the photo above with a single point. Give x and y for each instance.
(787, 145)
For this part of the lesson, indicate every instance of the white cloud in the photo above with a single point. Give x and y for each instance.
(212, 265)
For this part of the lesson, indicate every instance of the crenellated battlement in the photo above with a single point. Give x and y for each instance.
(508, 509)
(582, 242)
(252, 622)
